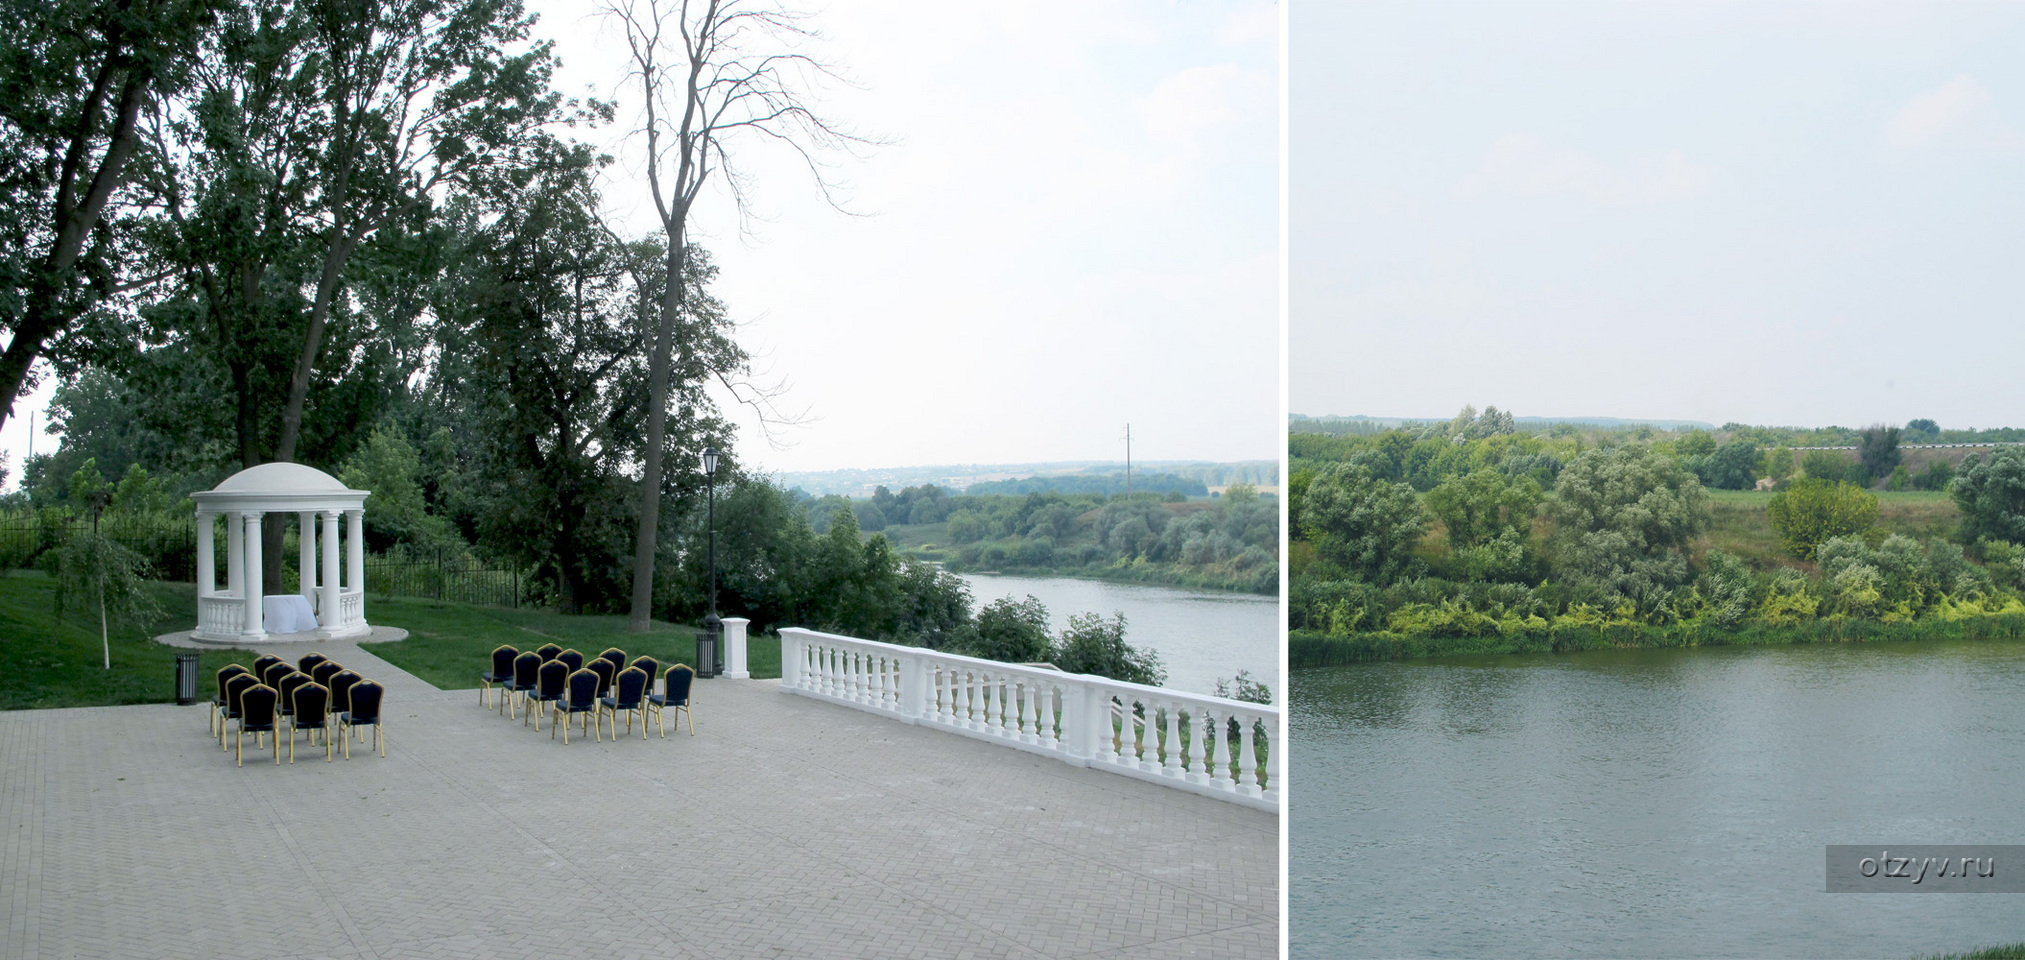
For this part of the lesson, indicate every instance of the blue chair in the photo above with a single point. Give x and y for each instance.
(580, 698)
(605, 671)
(574, 659)
(256, 713)
(364, 712)
(649, 666)
(674, 693)
(225, 673)
(309, 661)
(548, 651)
(548, 688)
(526, 671)
(629, 693)
(235, 685)
(286, 688)
(312, 713)
(501, 672)
(618, 658)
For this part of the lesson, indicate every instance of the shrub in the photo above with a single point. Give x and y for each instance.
(1813, 510)
(1991, 493)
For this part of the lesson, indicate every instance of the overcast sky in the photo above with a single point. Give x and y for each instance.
(1074, 226)
(1767, 213)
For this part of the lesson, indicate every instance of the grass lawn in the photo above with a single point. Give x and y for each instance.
(450, 644)
(2015, 951)
(51, 664)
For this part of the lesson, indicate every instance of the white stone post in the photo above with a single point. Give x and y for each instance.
(328, 617)
(305, 566)
(734, 648)
(207, 564)
(790, 658)
(913, 686)
(235, 556)
(253, 631)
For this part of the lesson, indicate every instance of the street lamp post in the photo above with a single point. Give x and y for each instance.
(711, 623)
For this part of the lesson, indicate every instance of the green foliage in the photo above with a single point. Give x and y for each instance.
(1832, 467)
(1936, 476)
(1011, 631)
(1623, 519)
(1363, 525)
(1901, 479)
(1733, 466)
(1991, 494)
(1777, 464)
(1698, 443)
(1731, 594)
(1878, 450)
(396, 513)
(1094, 644)
(1812, 511)
(1243, 687)
(98, 575)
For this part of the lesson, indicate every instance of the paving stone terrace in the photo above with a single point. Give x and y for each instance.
(784, 828)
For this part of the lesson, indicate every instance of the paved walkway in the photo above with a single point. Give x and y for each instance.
(784, 828)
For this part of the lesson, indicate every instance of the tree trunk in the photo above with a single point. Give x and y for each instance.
(640, 619)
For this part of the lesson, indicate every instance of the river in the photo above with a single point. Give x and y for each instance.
(1638, 803)
(1200, 635)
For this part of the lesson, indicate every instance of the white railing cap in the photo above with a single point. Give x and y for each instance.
(1048, 672)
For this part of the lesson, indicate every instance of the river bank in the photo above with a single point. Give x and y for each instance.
(1306, 648)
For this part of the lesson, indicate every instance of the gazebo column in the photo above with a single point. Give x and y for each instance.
(329, 619)
(305, 567)
(235, 554)
(253, 631)
(207, 573)
(355, 555)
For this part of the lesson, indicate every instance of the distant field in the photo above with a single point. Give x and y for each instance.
(1738, 522)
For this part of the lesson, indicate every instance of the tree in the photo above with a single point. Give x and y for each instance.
(1623, 519)
(1831, 466)
(1812, 511)
(1778, 464)
(1922, 431)
(710, 72)
(74, 80)
(1697, 443)
(1733, 466)
(1990, 490)
(1011, 631)
(1878, 450)
(1362, 524)
(95, 570)
(1094, 644)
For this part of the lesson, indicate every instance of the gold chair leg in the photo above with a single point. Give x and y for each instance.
(239, 755)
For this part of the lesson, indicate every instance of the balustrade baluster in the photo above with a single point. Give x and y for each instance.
(1045, 724)
(1248, 764)
(993, 712)
(1198, 751)
(1170, 754)
(1220, 774)
(1029, 721)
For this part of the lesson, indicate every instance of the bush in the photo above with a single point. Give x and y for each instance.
(1093, 644)
(1813, 511)
(1991, 494)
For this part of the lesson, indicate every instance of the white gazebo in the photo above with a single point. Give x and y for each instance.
(236, 613)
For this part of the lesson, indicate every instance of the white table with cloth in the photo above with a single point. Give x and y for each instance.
(288, 613)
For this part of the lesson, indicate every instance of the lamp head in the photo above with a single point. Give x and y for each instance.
(710, 461)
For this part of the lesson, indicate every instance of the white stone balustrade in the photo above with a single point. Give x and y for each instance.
(1152, 733)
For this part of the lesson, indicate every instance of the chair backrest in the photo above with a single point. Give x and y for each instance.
(573, 658)
(525, 668)
(583, 690)
(312, 704)
(616, 655)
(274, 672)
(554, 674)
(680, 676)
(227, 672)
(605, 671)
(256, 705)
(309, 661)
(266, 660)
(547, 651)
(649, 664)
(289, 685)
(326, 670)
(236, 687)
(630, 689)
(502, 660)
(341, 684)
(365, 705)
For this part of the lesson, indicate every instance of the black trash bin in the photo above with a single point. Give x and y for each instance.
(186, 678)
(706, 655)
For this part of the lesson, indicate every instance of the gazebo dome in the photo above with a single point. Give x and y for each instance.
(280, 478)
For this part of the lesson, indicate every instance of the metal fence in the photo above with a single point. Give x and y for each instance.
(441, 577)
(171, 549)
